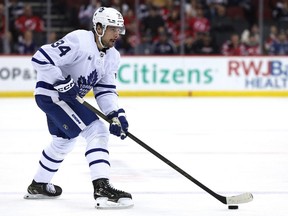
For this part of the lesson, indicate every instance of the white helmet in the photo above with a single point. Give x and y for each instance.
(108, 16)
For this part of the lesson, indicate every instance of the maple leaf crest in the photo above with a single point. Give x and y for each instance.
(85, 85)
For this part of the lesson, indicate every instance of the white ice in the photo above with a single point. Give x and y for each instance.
(231, 145)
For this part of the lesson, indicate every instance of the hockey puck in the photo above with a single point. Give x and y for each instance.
(233, 207)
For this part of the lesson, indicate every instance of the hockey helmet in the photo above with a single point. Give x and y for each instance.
(108, 16)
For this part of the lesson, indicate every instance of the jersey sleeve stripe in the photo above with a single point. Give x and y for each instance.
(39, 62)
(106, 86)
(104, 92)
(42, 84)
(46, 56)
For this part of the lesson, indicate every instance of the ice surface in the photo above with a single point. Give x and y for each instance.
(231, 145)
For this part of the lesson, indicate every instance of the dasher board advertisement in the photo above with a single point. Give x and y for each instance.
(170, 74)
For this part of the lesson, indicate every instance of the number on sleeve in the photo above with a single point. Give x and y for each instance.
(63, 49)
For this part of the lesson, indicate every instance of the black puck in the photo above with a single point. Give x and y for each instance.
(233, 207)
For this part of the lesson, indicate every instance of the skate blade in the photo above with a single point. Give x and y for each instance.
(104, 203)
(39, 196)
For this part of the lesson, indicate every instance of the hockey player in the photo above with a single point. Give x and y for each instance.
(71, 67)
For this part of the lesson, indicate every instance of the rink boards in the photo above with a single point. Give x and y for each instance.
(177, 76)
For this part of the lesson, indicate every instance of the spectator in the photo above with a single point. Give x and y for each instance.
(130, 23)
(120, 6)
(249, 10)
(15, 9)
(152, 22)
(212, 7)
(6, 42)
(26, 45)
(164, 46)
(29, 21)
(273, 32)
(145, 47)
(86, 12)
(190, 8)
(167, 9)
(221, 25)
(2, 28)
(280, 11)
(132, 39)
(199, 23)
(247, 7)
(188, 45)
(205, 45)
(127, 46)
(280, 14)
(279, 46)
(143, 10)
(252, 45)
(254, 30)
(173, 25)
(233, 46)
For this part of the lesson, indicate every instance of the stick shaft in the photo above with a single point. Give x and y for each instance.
(158, 155)
(178, 169)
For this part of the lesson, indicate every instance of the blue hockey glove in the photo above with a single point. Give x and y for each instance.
(119, 124)
(67, 89)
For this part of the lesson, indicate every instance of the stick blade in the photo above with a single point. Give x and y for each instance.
(241, 198)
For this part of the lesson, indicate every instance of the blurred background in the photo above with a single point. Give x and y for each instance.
(169, 27)
(172, 48)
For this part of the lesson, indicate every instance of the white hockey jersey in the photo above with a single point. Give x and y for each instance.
(77, 55)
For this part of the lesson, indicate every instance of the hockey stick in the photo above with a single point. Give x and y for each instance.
(238, 199)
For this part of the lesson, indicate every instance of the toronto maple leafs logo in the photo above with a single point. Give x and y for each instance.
(85, 85)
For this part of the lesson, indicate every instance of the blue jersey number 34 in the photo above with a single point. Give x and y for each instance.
(63, 49)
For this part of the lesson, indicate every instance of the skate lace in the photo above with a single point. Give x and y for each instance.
(113, 188)
(109, 189)
(50, 188)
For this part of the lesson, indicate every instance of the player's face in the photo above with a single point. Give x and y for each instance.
(110, 36)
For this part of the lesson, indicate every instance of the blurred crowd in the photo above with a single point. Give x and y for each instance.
(160, 27)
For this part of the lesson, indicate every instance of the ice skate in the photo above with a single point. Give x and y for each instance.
(43, 191)
(107, 197)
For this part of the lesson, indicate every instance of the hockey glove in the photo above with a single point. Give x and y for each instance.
(67, 89)
(119, 124)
